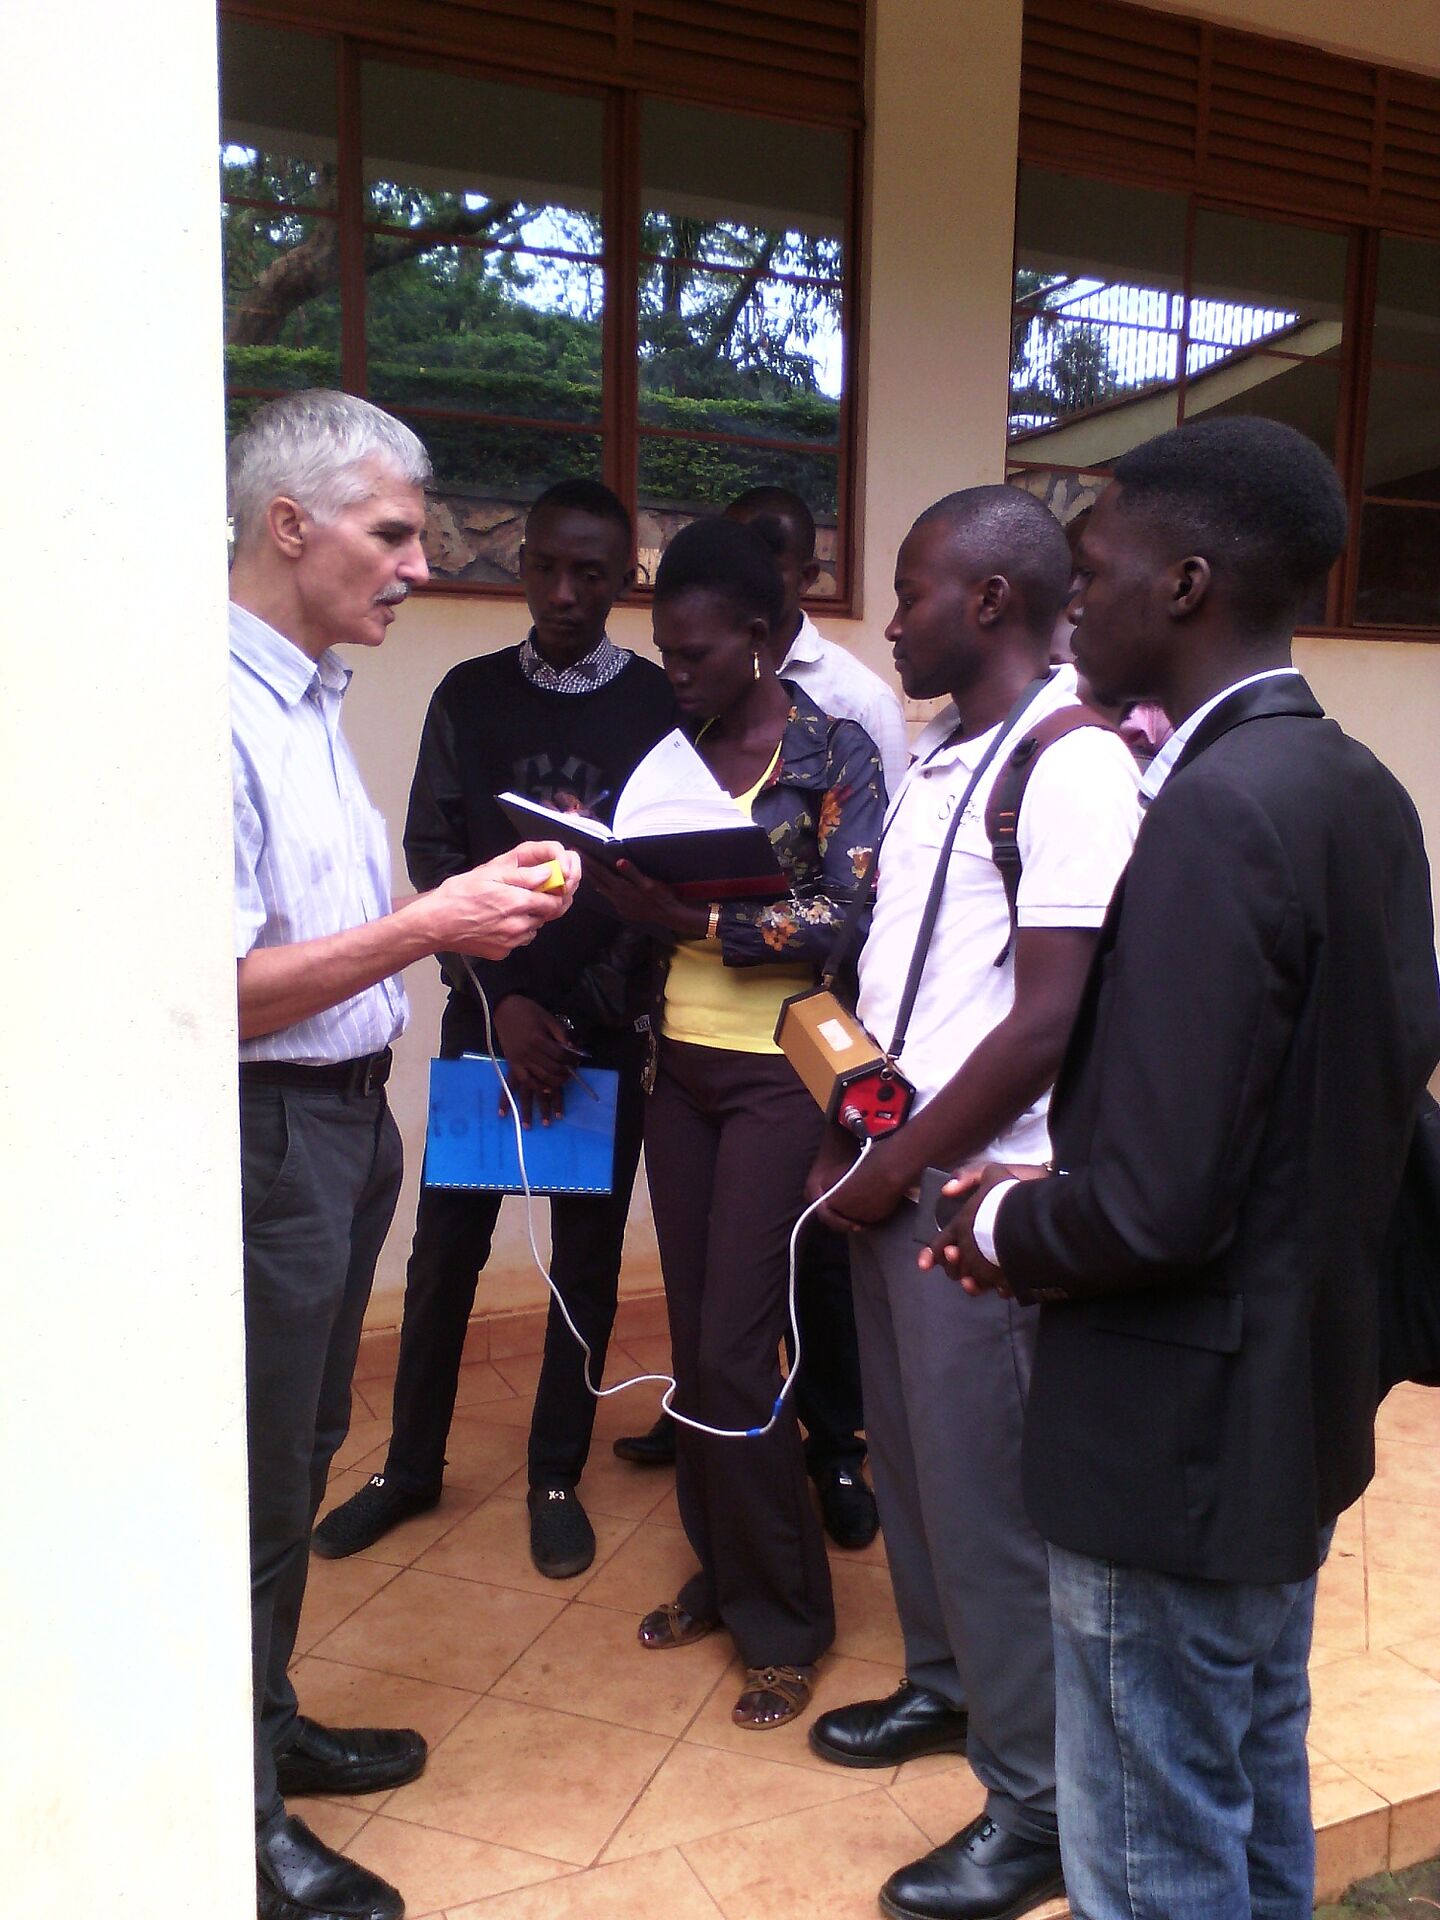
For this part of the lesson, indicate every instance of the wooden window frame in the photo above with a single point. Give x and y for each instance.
(619, 427)
(1186, 52)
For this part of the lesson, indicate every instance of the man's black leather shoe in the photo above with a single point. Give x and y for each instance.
(984, 1873)
(879, 1733)
(297, 1877)
(653, 1449)
(319, 1759)
(847, 1506)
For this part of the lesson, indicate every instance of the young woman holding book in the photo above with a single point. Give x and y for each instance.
(730, 1132)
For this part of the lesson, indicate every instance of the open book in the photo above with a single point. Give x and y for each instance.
(675, 821)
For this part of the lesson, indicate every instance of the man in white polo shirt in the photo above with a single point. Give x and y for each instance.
(979, 583)
(326, 495)
(835, 680)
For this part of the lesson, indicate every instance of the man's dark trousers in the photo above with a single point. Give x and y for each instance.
(453, 1232)
(827, 1388)
(320, 1175)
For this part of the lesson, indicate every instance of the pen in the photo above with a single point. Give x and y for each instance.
(580, 1054)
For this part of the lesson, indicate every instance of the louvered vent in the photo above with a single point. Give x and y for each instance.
(1410, 162)
(554, 36)
(1095, 93)
(1116, 89)
(1302, 120)
(805, 59)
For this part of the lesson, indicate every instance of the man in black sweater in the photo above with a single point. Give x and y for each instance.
(563, 718)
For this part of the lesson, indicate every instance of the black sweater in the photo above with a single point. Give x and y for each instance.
(489, 729)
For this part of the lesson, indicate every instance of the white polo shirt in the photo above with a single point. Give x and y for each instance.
(1076, 828)
(846, 689)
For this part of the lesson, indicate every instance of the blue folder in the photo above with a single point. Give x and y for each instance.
(470, 1141)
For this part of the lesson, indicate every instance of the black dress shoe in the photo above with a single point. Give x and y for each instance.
(367, 1516)
(879, 1733)
(847, 1506)
(297, 1877)
(984, 1873)
(653, 1449)
(318, 1759)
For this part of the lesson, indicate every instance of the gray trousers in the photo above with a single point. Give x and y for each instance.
(945, 1378)
(320, 1174)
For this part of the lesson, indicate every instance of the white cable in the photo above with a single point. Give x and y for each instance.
(667, 1379)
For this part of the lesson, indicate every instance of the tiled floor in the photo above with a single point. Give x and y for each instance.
(575, 1777)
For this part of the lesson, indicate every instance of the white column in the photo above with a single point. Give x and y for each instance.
(125, 1619)
(944, 113)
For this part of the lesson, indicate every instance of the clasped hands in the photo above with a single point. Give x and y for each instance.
(876, 1186)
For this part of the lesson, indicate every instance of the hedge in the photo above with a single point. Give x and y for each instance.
(468, 454)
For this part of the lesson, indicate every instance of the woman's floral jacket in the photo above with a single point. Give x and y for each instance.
(822, 808)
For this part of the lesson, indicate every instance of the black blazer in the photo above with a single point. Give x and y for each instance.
(1230, 1120)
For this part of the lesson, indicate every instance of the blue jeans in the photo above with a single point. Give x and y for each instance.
(1181, 1711)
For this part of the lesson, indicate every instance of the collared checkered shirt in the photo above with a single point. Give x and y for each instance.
(598, 668)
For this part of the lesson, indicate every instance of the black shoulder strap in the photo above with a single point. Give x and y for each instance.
(942, 865)
(842, 948)
(1002, 811)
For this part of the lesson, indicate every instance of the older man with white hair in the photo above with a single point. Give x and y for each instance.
(326, 495)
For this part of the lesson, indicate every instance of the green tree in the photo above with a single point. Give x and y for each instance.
(1080, 371)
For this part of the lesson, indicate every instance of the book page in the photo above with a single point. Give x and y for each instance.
(673, 791)
(572, 822)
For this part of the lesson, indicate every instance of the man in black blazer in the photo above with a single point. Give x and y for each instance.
(1229, 1129)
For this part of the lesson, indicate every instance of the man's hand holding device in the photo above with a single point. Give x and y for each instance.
(948, 1206)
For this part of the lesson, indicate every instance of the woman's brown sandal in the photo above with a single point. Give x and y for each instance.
(671, 1626)
(773, 1696)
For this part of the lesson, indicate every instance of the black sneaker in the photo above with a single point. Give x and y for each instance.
(847, 1506)
(562, 1540)
(367, 1516)
(653, 1449)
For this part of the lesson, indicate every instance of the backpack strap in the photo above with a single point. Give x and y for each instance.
(1002, 810)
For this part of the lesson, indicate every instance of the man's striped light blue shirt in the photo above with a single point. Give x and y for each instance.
(311, 853)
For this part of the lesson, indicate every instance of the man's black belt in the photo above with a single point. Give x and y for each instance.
(346, 1076)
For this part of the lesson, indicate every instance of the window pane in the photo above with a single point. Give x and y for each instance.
(1095, 333)
(277, 114)
(1399, 567)
(485, 478)
(717, 402)
(509, 321)
(1302, 395)
(442, 148)
(757, 350)
(281, 267)
(711, 180)
(1402, 434)
(282, 306)
(1407, 301)
(452, 327)
(682, 479)
(1264, 281)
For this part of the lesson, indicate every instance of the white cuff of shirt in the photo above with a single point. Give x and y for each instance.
(985, 1216)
